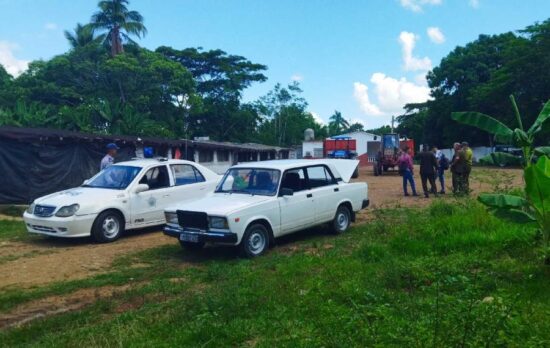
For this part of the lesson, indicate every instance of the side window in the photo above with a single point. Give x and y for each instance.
(185, 174)
(318, 176)
(295, 180)
(156, 178)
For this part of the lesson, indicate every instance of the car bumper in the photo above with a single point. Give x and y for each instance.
(74, 226)
(206, 236)
(365, 204)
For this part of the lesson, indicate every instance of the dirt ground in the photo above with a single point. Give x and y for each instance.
(43, 260)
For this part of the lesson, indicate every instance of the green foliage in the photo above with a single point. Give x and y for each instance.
(500, 159)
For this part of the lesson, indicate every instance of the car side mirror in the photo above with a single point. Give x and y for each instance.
(85, 182)
(286, 192)
(141, 188)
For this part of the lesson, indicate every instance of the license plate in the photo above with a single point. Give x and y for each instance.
(186, 237)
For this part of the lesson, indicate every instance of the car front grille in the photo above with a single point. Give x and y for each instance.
(43, 210)
(193, 220)
(43, 228)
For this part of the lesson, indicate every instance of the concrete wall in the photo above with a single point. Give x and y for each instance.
(312, 148)
(361, 139)
(479, 152)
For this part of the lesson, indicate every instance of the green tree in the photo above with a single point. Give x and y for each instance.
(355, 127)
(83, 35)
(337, 123)
(119, 23)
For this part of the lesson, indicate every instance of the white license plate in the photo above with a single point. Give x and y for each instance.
(185, 237)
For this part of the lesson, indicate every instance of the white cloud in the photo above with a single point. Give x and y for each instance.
(410, 62)
(435, 34)
(474, 3)
(50, 26)
(296, 78)
(391, 95)
(317, 118)
(361, 94)
(12, 65)
(417, 5)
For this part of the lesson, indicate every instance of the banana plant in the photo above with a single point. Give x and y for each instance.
(535, 206)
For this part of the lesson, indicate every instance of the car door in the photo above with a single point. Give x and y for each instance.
(296, 211)
(324, 188)
(148, 206)
(189, 183)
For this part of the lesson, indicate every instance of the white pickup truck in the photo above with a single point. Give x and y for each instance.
(255, 203)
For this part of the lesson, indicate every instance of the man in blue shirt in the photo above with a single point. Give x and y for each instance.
(109, 158)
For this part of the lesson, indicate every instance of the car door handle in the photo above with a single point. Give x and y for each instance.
(309, 195)
(336, 189)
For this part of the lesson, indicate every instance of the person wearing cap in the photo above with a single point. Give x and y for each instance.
(110, 156)
(469, 156)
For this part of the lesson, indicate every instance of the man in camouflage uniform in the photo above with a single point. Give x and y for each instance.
(459, 170)
(469, 157)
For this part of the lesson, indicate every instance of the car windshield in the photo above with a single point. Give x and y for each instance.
(254, 181)
(114, 177)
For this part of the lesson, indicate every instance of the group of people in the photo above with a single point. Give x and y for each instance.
(433, 164)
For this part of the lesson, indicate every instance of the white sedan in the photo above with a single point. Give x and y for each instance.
(124, 196)
(257, 202)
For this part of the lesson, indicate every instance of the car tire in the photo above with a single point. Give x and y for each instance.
(107, 227)
(342, 220)
(255, 241)
(192, 246)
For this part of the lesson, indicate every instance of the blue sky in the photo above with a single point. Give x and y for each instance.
(365, 58)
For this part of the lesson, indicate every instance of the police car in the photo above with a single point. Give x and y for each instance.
(123, 196)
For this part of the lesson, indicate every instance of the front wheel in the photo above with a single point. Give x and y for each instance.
(342, 220)
(108, 227)
(255, 241)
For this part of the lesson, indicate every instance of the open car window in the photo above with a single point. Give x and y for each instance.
(156, 178)
(319, 176)
(254, 181)
(295, 180)
(185, 174)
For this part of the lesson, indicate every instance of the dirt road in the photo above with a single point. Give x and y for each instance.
(42, 260)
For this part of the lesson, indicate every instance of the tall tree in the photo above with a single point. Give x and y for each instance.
(119, 23)
(337, 123)
(82, 36)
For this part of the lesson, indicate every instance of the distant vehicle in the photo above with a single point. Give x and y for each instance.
(388, 155)
(340, 147)
(124, 196)
(258, 202)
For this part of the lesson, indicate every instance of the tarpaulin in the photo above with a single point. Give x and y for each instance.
(29, 171)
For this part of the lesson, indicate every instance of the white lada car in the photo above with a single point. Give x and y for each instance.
(257, 202)
(124, 196)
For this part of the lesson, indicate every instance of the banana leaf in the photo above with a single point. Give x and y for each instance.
(542, 151)
(486, 123)
(537, 185)
(543, 116)
(501, 201)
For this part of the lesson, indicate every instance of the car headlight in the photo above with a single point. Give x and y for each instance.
(30, 209)
(218, 223)
(68, 210)
(171, 217)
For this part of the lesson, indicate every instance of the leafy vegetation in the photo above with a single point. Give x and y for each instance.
(535, 206)
(447, 275)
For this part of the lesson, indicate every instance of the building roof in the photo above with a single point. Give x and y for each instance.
(45, 134)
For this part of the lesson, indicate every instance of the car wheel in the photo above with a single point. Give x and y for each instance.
(108, 227)
(342, 220)
(191, 245)
(255, 241)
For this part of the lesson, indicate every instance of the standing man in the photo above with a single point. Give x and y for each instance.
(442, 166)
(469, 156)
(406, 168)
(109, 158)
(428, 168)
(458, 169)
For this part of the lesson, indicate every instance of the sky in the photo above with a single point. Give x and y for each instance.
(364, 58)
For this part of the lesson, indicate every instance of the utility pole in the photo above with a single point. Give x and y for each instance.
(392, 122)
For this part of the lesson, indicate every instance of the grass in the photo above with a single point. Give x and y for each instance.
(446, 275)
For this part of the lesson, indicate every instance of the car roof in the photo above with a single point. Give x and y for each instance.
(147, 162)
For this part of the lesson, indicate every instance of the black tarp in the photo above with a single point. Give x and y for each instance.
(29, 170)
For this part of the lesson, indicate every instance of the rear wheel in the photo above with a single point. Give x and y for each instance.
(191, 245)
(108, 226)
(342, 220)
(255, 241)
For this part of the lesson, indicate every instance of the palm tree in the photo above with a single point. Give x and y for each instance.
(83, 35)
(337, 122)
(119, 23)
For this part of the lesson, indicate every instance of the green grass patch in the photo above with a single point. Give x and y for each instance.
(447, 275)
(13, 230)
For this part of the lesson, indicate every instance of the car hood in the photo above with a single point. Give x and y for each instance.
(79, 195)
(221, 204)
